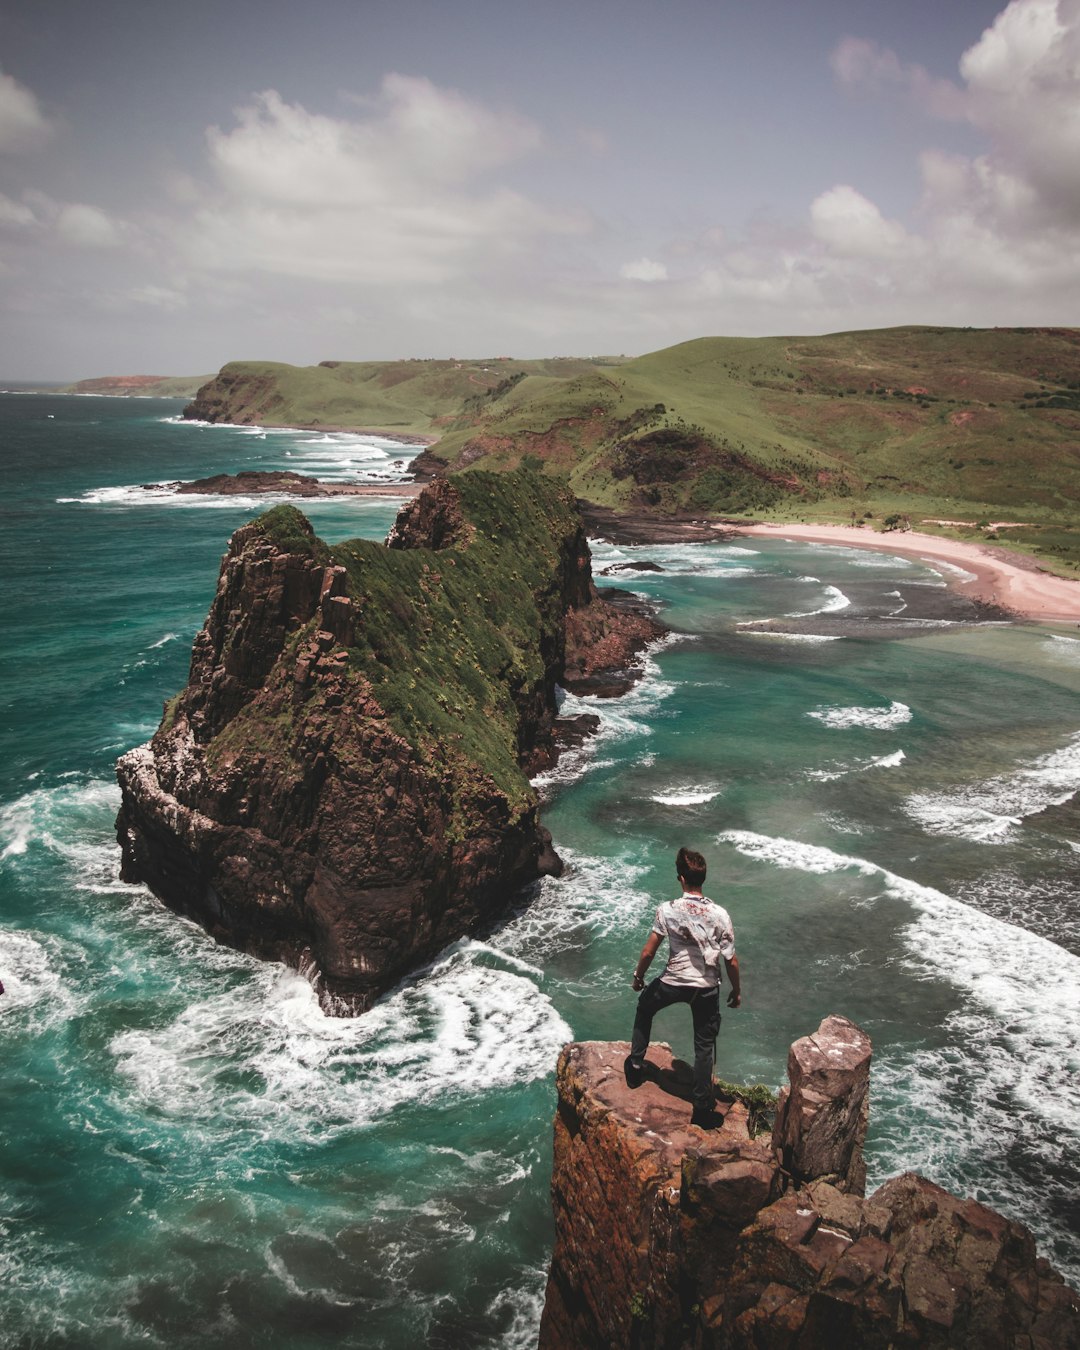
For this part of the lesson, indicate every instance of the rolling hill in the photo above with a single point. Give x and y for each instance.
(413, 398)
(976, 425)
(139, 386)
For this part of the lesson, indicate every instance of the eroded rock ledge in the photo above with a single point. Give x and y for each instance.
(343, 784)
(670, 1236)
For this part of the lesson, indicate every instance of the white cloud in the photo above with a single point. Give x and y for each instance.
(409, 222)
(400, 194)
(996, 235)
(39, 216)
(15, 214)
(86, 226)
(644, 269)
(1023, 90)
(23, 126)
(863, 65)
(852, 225)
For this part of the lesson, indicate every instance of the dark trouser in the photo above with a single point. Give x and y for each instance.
(705, 1009)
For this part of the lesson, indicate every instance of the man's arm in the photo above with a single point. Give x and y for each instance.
(735, 997)
(652, 942)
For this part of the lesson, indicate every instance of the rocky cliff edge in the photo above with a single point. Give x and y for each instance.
(343, 782)
(672, 1236)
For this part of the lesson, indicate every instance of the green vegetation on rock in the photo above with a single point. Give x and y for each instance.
(759, 1100)
(292, 532)
(454, 641)
(448, 638)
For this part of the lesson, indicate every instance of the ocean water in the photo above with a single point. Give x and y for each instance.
(192, 1154)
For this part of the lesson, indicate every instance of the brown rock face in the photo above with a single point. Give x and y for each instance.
(341, 785)
(670, 1236)
(636, 1189)
(822, 1117)
(434, 520)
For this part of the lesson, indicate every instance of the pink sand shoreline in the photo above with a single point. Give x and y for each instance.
(1014, 584)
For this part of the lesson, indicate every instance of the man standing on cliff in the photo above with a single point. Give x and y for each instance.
(699, 934)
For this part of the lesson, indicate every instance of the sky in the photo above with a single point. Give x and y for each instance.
(181, 186)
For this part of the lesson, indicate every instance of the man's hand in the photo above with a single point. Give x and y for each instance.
(637, 983)
(734, 999)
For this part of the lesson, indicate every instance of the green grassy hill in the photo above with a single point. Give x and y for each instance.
(412, 398)
(979, 425)
(145, 386)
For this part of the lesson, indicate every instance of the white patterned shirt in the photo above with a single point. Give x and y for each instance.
(699, 934)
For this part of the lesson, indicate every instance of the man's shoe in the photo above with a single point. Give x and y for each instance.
(704, 1117)
(635, 1076)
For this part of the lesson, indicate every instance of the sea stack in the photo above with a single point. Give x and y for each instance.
(343, 784)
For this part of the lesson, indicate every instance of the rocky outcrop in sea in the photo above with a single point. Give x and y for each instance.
(676, 1237)
(343, 784)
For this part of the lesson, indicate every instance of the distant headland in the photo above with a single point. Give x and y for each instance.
(945, 430)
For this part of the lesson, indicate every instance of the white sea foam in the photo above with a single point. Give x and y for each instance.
(30, 1263)
(468, 1024)
(692, 795)
(948, 1112)
(1065, 650)
(950, 569)
(57, 818)
(990, 810)
(792, 637)
(169, 637)
(166, 495)
(839, 718)
(688, 559)
(333, 457)
(900, 608)
(32, 967)
(828, 775)
(524, 1302)
(621, 718)
(595, 896)
(833, 601)
(854, 556)
(1017, 985)
(882, 561)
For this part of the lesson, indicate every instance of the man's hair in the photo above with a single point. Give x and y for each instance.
(690, 866)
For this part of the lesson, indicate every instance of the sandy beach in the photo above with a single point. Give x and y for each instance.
(993, 575)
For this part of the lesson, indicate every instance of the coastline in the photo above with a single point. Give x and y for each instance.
(404, 437)
(995, 577)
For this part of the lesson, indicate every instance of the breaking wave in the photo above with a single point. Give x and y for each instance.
(834, 601)
(264, 1055)
(892, 761)
(991, 810)
(876, 719)
(692, 795)
(1020, 988)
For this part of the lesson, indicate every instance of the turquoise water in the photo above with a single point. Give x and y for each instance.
(191, 1154)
